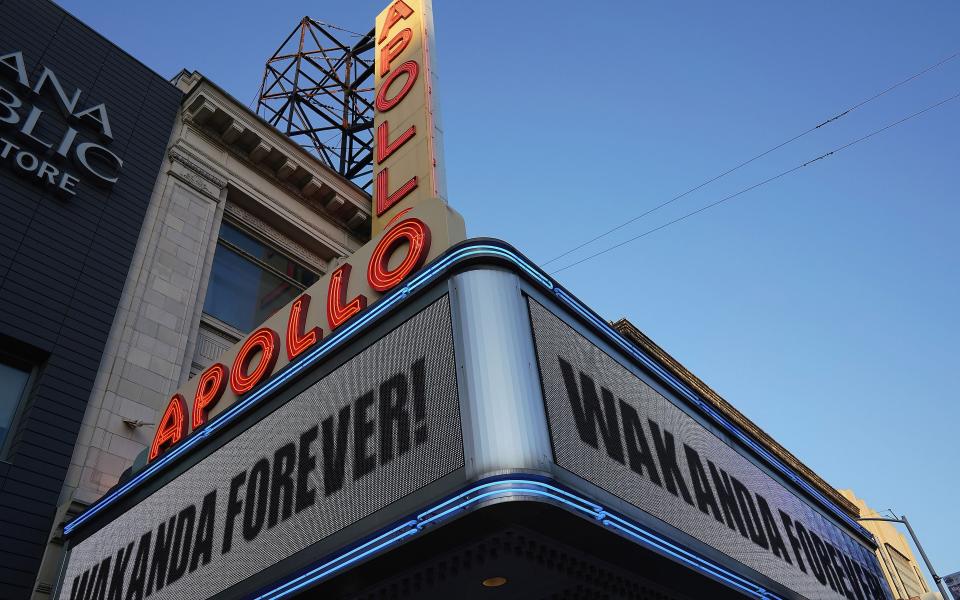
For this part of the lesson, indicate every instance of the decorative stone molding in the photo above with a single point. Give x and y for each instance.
(195, 174)
(275, 237)
(259, 152)
(211, 343)
(287, 168)
(335, 202)
(232, 133)
(251, 139)
(201, 111)
(357, 220)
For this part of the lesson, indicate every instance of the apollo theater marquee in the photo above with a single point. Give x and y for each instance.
(438, 416)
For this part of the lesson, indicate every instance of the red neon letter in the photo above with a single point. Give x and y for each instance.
(172, 427)
(386, 201)
(338, 309)
(412, 69)
(397, 12)
(393, 49)
(297, 340)
(264, 342)
(385, 147)
(413, 231)
(397, 217)
(209, 390)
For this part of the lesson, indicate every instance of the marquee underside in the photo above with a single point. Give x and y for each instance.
(543, 552)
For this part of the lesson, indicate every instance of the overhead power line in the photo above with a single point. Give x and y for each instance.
(757, 157)
(756, 185)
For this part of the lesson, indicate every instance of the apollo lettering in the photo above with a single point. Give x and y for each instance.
(392, 91)
(408, 165)
(376, 428)
(257, 357)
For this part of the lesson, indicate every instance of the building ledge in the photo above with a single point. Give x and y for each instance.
(257, 143)
(630, 331)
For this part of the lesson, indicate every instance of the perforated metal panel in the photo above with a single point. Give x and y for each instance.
(611, 428)
(399, 396)
(533, 566)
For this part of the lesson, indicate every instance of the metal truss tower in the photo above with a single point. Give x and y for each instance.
(318, 90)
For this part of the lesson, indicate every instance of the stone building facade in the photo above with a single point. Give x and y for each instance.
(899, 565)
(240, 220)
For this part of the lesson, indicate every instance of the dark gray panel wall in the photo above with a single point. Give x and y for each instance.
(64, 260)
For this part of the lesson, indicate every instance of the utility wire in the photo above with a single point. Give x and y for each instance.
(332, 26)
(756, 185)
(757, 157)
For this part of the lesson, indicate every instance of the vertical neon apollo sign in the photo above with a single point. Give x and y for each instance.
(408, 162)
(411, 224)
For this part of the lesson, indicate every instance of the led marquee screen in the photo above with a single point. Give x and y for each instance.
(374, 430)
(612, 429)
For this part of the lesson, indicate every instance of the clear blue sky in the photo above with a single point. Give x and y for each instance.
(823, 305)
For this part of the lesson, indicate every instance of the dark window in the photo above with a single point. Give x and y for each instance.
(250, 280)
(13, 387)
(912, 583)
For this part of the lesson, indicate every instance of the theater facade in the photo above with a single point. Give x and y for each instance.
(477, 426)
(234, 375)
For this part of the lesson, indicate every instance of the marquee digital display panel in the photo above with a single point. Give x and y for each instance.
(381, 426)
(614, 430)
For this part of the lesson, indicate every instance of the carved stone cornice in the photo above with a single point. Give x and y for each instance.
(210, 113)
(192, 172)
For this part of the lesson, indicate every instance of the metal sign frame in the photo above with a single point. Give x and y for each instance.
(505, 458)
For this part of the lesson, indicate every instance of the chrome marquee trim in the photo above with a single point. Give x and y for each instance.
(470, 252)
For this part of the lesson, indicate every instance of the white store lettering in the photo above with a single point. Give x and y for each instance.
(40, 157)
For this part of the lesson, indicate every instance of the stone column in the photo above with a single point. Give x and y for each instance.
(148, 353)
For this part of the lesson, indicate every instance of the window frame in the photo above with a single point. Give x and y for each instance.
(260, 262)
(911, 568)
(272, 270)
(32, 369)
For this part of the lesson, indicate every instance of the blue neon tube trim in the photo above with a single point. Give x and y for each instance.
(693, 397)
(505, 492)
(326, 346)
(431, 516)
(680, 553)
(512, 487)
(749, 588)
(424, 515)
(360, 551)
(421, 279)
